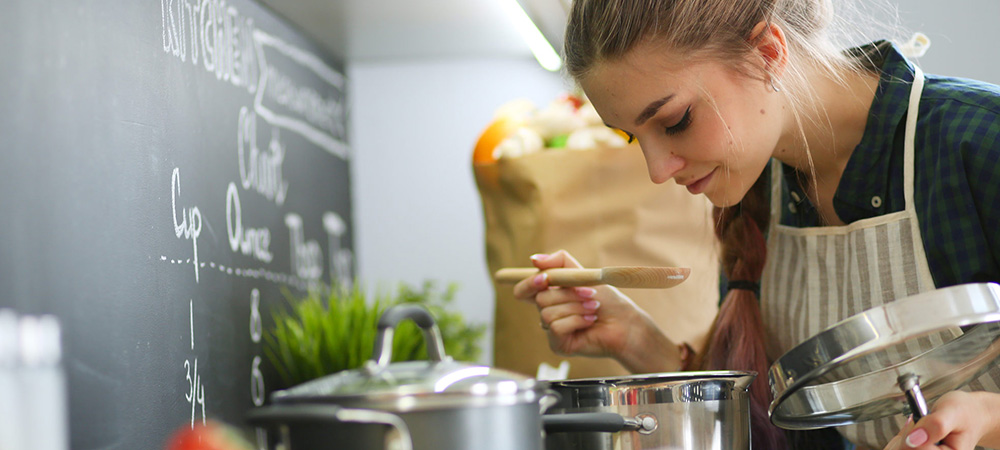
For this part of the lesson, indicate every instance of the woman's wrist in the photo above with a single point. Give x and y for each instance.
(651, 351)
(991, 405)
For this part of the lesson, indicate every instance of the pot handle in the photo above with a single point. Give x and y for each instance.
(549, 399)
(283, 415)
(387, 323)
(595, 422)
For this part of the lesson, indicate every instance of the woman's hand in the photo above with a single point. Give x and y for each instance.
(596, 321)
(958, 421)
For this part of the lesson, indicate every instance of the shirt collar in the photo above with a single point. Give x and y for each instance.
(867, 172)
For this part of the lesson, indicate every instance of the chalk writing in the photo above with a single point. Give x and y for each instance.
(260, 170)
(216, 34)
(322, 112)
(258, 273)
(191, 315)
(306, 256)
(256, 377)
(315, 113)
(256, 329)
(195, 394)
(340, 258)
(256, 382)
(189, 227)
(249, 241)
(196, 391)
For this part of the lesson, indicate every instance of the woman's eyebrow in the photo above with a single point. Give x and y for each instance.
(651, 110)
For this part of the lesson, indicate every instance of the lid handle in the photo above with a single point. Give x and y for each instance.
(382, 355)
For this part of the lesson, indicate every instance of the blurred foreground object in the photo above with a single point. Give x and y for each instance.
(209, 436)
(33, 401)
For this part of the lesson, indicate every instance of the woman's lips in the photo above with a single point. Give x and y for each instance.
(699, 186)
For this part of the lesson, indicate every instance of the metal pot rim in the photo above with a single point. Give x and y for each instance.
(419, 401)
(662, 377)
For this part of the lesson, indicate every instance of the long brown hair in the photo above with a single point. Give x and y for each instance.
(606, 30)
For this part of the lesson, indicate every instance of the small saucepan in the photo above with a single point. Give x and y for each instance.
(663, 411)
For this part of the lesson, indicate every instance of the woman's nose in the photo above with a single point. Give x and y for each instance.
(663, 165)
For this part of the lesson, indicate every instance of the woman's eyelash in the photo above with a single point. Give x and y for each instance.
(682, 124)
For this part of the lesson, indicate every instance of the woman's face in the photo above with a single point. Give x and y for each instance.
(702, 124)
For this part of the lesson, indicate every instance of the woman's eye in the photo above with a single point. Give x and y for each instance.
(681, 124)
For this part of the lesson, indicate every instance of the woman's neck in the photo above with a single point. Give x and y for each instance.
(832, 119)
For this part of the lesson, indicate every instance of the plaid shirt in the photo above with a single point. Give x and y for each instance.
(957, 169)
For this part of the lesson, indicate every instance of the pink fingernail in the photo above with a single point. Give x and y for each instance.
(916, 438)
(540, 279)
(539, 257)
(586, 292)
(593, 304)
(590, 318)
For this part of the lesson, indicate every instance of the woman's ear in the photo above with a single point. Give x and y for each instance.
(768, 40)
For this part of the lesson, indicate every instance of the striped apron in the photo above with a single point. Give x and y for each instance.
(818, 276)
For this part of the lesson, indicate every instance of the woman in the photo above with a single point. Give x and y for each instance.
(870, 181)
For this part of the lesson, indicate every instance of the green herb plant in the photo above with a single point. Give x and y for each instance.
(320, 334)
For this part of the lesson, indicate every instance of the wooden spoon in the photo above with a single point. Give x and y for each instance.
(620, 276)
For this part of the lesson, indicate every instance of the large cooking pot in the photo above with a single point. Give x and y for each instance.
(444, 404)
(687, 410)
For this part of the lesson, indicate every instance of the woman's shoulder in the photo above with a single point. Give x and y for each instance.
(962, 94)
(964, 115)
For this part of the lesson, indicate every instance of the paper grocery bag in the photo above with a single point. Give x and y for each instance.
(601, 206)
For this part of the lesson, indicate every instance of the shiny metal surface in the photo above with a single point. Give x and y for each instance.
(849, 373)
(910, 385)
(515, 427)
(445, 404)
(689, 410)
(417, 385)
(394, 434)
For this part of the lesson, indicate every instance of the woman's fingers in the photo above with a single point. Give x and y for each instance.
(558, 296)
(568, 305)
(897, 442)
(560, 258)
(956, 422)
(570, 324)
(527, 289)
(554, 305)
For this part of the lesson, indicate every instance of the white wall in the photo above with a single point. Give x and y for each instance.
(414, 124)
(417, 212)
(964, 35)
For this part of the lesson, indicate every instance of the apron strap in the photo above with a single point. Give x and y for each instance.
(911, 130)
(776, 175)
(912, 110)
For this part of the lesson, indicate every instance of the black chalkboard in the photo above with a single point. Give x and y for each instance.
(166, 167)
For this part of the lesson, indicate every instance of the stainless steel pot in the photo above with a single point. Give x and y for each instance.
(688, 410)
(443, 403)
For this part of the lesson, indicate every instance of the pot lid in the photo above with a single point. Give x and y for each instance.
(887, 360)
(436, 383)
